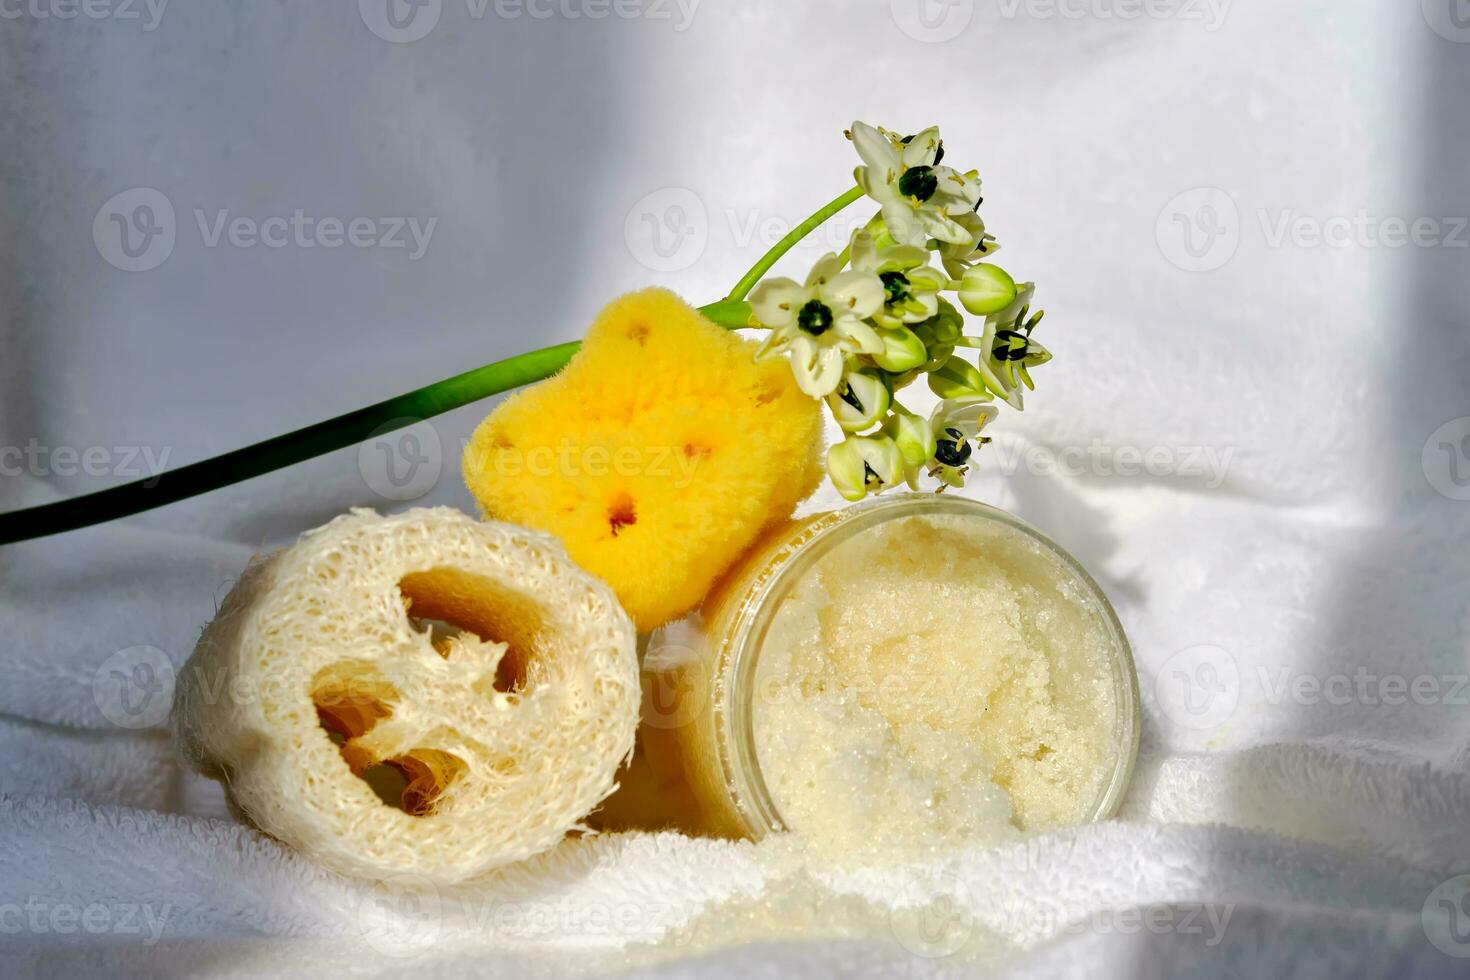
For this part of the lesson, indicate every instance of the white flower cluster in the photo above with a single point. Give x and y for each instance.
(873, 319)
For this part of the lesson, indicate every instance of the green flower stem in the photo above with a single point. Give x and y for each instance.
(314, 440)
(758, 271)
(365, 423)
(730, 314)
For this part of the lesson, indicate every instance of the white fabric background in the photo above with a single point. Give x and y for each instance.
(1331, 546)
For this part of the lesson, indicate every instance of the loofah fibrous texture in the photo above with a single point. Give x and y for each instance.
(420, 694)
(658, 455)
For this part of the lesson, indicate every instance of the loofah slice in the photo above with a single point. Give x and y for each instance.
(658, 455)
(422, 694)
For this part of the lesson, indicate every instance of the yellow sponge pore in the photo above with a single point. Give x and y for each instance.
(657, 455)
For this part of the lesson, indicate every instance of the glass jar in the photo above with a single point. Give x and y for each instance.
(698, 766)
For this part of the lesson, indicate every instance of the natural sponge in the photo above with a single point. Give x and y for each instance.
(420, 694)
(658, 455)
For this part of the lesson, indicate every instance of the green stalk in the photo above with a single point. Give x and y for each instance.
(314, 440)
(758, 271)
(365, 423)
(293, 447)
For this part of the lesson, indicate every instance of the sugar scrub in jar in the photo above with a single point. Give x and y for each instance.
(920, 671)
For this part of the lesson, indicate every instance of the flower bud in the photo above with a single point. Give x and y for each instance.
(859, 465)
(902, 350)
(958, 378)
(878, 233)
(860, 401)
(987, 289)
(944, 327)
(914, 437)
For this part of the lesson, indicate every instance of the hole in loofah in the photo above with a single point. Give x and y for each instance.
(388, 782)
(510, 675)
(621, 513)
(348, 716)
(427, 774)
(463, 611)
(638, 332)
(770, 390)
(415, 781)
(448, 638)
(350, 698)
(694, 450)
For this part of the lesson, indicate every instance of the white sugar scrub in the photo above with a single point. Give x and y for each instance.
(923, 671)
(939, 679)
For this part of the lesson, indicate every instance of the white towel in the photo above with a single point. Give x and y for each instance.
(1262, 462)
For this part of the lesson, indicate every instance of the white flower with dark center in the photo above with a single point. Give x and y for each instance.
(820, 323)
(956, 423)
(910, 285)
(941, 444)
(920, 198)
(1007, 351)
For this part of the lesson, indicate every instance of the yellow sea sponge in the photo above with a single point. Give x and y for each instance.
(657, 455)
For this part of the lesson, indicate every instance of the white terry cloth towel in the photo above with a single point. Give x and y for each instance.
(1256, 435)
